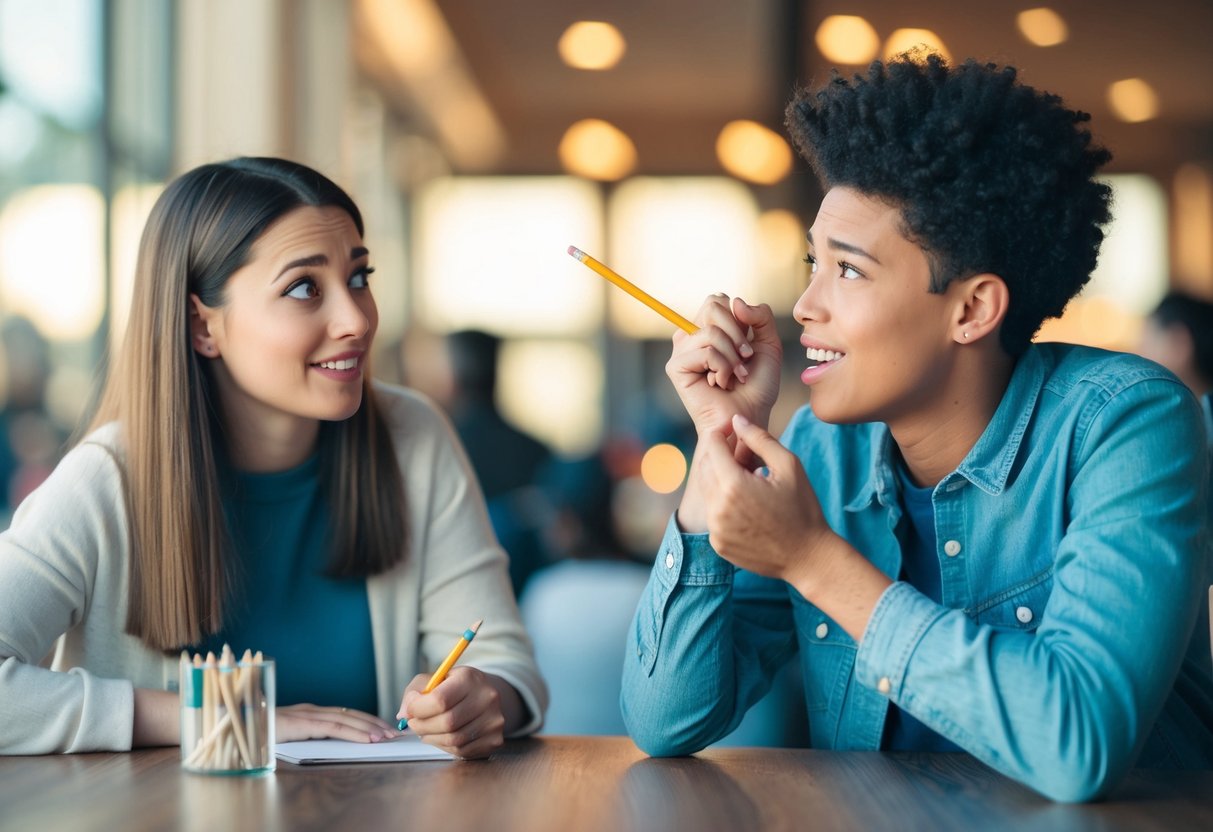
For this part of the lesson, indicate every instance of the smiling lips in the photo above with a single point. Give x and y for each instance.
(818, 357)
(339, 364)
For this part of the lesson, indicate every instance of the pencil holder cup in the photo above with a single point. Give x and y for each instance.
(227, 715)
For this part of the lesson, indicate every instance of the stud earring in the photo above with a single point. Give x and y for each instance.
(966, 335)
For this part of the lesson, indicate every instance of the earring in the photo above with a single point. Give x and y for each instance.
(966, 335)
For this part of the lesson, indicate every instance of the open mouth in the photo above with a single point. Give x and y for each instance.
(818, 357)
(342, 364)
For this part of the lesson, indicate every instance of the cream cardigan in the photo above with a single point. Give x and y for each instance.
(68, 670)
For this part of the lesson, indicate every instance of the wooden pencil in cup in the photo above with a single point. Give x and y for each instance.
(233, 727)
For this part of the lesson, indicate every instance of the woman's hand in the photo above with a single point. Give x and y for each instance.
(314, 722)
(463, 715)
(731, 365)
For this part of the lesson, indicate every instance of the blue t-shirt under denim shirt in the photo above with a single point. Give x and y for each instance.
(316, 628)
(1074, 563)
(920, 569)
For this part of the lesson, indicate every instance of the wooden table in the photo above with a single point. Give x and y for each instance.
(579, 783)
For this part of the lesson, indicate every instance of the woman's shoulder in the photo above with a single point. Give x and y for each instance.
(88, 479)
(416, 423)
(405, 408)
(99, 452)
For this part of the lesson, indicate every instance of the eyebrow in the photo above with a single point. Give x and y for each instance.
(842, 246)
(319, 260)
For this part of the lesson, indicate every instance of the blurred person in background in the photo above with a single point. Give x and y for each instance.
(1178, 334)
(507, 460)
(577, 609)
(30, 441)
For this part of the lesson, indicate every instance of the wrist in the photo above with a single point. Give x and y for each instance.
(157, 719)
(842, 583)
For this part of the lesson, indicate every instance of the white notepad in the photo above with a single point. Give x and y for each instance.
(318, 752)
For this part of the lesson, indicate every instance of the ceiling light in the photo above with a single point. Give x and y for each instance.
(916, 41)
(410, 43)
(663, 468)
(597, 149)
(1042, 27)
(1133, 100)
(754, 153)
(847, 39)
(591, 44)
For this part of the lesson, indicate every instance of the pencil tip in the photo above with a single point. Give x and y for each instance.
(475, 628)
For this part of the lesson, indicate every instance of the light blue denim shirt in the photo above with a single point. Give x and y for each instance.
(1075, 557)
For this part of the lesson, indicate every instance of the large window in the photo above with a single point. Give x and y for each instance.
(84, 144)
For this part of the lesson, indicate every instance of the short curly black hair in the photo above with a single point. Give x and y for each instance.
(990, 174)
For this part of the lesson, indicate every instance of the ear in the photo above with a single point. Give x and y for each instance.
(202, 321)
(982, 302)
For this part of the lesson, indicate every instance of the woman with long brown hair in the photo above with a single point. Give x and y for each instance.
(246, 482)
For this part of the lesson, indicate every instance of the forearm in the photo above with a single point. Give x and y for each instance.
(699, 651)
(1061, 709)
(157, 719)
(842, 583)
(692, 514)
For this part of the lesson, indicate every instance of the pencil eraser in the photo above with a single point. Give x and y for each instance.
(573, 251)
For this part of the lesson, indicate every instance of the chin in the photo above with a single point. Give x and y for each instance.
(836, 414)
(339, 411)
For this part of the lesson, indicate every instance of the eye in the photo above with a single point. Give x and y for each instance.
(361, 279)
(812, 261)
(849, 272)
(302, 289)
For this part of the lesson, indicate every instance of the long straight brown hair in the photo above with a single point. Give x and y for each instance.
(162, 395)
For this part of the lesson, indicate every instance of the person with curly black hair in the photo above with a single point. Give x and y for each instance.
(971, 541)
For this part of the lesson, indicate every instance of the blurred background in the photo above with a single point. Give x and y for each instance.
(482, 138)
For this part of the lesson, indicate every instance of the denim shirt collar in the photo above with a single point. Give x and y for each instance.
(988, 464)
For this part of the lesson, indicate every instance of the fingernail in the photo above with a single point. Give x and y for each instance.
(402, 724)
(741, 371)
(745, 349)
(738, 419)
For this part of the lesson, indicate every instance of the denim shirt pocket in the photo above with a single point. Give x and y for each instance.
(1017, 607)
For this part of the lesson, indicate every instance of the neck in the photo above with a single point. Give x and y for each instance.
(935, 439)
(261, 440)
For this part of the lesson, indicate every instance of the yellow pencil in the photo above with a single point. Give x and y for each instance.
(448, 663)
(640, 295)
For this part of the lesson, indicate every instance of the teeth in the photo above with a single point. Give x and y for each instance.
(343, 364)
(814, 354)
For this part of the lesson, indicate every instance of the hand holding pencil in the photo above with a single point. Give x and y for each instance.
(457, 709)
(732, 341)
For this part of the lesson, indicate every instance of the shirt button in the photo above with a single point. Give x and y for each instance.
(822, 630)
(951, 548)
(1024, 614)
(669, 561)
(884, 685)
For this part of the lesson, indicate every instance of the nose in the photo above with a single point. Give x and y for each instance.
(351, 316)
(809, 305)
